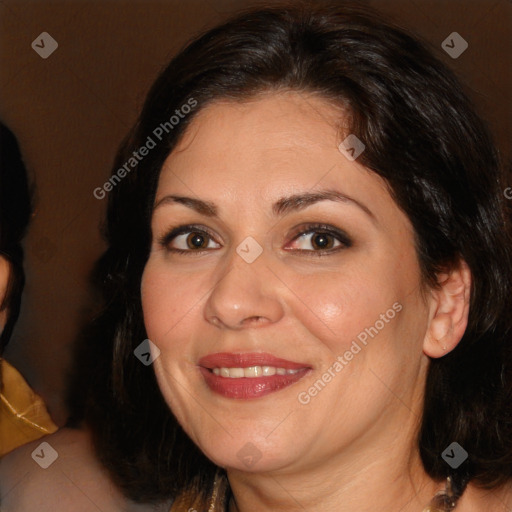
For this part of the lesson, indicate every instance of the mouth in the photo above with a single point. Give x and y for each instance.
(246, 376)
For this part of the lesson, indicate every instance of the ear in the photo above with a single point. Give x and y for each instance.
(449, 310)
(5, 271)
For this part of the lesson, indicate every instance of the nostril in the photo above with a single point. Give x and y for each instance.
(253, 319)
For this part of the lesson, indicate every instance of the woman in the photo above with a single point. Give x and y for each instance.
(306, 284)
(284, 132)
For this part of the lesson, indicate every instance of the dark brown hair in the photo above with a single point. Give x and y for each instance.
(421, 134)
(15, 210)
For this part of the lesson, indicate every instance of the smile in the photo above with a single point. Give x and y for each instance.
(252, 372)
(246, 376)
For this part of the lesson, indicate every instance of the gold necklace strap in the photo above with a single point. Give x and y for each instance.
(215, 493)
(444, 501)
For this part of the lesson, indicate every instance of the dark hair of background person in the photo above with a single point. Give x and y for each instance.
(15, 211)
(422, 136)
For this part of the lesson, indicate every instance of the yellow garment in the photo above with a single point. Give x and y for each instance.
(23, 414)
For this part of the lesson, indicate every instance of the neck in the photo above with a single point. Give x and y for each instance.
(366, 490)
(383, 476)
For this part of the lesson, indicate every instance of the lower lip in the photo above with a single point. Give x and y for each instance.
(246, 387)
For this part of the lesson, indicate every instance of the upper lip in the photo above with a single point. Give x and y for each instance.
(244, 360)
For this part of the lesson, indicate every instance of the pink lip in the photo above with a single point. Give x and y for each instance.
(241, 360)
(247, 388)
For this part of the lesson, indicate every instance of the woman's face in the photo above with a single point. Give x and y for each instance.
(291, 325)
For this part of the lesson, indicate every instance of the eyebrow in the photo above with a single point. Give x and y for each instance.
(281, 207)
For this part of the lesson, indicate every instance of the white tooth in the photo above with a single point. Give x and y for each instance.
(236, 373)
(252, 371)
(269, 370)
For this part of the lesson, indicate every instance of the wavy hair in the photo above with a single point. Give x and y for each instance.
(422, 135)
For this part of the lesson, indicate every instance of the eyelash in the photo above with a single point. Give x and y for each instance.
(342, 237)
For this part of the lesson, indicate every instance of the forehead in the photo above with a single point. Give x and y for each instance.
(243, 158)
(284, 141)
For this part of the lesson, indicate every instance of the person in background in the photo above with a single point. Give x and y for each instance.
(24, 420)
(23, 414)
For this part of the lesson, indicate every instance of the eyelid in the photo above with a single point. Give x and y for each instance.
(301, 230)
(166, 238)
(344, 239)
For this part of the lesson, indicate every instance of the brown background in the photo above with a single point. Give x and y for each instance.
(71, 110)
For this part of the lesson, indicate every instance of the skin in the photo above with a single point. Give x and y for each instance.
(4, 281)
(342, 448)
(75, 482)
(352, 447)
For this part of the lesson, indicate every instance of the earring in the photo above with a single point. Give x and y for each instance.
(443, 501)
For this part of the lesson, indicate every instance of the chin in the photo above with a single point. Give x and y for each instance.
(249, 452)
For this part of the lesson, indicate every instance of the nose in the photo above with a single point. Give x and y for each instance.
(246, 295)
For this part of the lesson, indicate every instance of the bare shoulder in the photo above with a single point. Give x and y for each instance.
(59, 472)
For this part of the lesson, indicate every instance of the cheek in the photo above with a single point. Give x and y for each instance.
(168, 298)
(337, 307)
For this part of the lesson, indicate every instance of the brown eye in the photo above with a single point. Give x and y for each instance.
(317, 240)
(320, 239)
(196, 241)
(188, 239)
